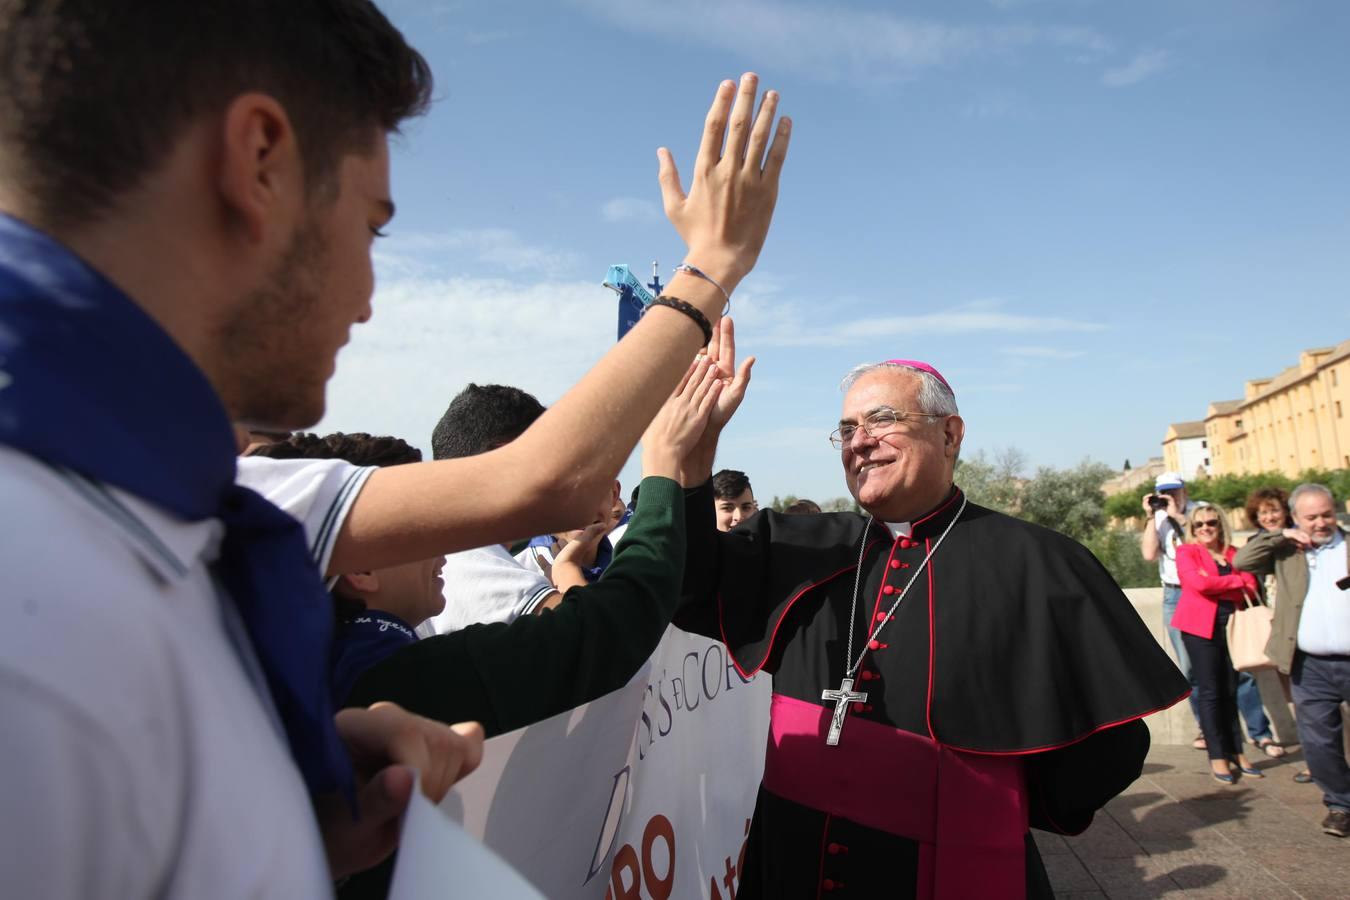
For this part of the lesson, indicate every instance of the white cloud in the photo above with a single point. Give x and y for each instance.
(779, 324)
(415, 254)
(827, 41)
(1145, 64)
(431, 336)
(1042, 353)
(630, 209)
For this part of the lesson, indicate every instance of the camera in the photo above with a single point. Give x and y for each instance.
(1157, 502)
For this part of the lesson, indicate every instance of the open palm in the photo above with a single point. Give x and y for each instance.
(722, 353)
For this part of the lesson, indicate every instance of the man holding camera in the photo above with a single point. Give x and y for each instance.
(1168, 506)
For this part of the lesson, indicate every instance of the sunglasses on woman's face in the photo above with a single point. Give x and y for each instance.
(1212, 523)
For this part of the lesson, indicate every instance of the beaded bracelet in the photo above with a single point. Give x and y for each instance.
(699, 273)
(689, 310)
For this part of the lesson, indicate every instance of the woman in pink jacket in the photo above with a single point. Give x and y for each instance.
(1210, 587)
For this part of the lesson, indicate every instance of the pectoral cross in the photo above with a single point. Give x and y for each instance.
(842, 698)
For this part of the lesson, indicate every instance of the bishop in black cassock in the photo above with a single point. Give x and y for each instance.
(1003, 692)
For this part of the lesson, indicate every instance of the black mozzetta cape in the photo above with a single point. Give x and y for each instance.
(1014, 642)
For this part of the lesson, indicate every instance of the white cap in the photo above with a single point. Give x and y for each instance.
(1169, 481)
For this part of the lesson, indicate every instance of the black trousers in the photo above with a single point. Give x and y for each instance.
(1216, 688)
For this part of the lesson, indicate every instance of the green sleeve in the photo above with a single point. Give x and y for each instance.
(507, 676)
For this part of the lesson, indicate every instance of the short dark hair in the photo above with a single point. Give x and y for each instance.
(357, 448)
(483, 417)
(802, 508)
(729, 484)
(93, 93)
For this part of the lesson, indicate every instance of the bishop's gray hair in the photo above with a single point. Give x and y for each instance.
(1309, 487)
(935, 398)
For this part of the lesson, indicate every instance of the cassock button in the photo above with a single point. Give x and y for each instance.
(888, 590)
(881, 616)
(874, 645)
(895, 564)
(906, 543)
(827, 884)
(833, 849)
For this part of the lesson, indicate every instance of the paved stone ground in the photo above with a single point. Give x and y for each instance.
(1178, 833)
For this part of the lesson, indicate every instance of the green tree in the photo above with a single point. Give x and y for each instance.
(1118, 550)
(995, 483)
(1128, 504)
(1068, 500)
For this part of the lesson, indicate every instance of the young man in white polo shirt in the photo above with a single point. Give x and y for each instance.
(185, 231)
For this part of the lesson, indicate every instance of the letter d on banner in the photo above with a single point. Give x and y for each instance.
(609, 830)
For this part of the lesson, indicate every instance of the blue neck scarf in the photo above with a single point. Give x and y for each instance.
(91, 383)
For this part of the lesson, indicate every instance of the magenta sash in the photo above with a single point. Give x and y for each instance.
(967, 812)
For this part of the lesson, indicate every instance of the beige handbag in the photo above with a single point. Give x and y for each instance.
(1248, 632)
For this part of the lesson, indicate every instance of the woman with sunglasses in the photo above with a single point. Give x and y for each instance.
(1210, 587)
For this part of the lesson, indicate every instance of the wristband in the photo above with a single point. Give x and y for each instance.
(699, 273)
(689, 310)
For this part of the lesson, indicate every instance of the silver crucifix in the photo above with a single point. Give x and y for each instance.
(842, 698)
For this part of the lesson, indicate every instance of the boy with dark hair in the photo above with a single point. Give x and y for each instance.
(357, 448)
(733, 499)
(180, 185)
(188, 197)
(635, 599)
(488, 584)
(482, 418)
(376, 610)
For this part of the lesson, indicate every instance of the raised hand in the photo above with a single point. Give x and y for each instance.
(582, 549)
(722, 354)
(680, 424)
(1298, 537)
(725, 216)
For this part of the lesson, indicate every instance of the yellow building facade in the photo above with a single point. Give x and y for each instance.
(1294, 421)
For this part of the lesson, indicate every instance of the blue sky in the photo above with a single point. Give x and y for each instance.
(1094, 217)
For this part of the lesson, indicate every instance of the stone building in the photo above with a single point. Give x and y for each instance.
(1130, 479)
(1186, 449)
(1288, 423)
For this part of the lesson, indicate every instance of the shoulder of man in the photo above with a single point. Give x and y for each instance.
(814, 530)
(90, 636)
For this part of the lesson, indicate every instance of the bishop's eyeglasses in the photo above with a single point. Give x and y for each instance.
(883, 421)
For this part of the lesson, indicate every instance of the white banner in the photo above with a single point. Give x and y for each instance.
(645, 794)
(700, 754)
